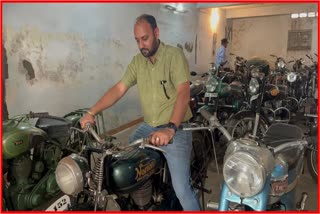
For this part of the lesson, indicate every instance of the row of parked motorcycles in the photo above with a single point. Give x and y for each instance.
(241, 119)
(263, 122)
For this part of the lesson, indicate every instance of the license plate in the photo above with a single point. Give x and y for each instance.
(61, 204)
(211, 95)
(279, 187)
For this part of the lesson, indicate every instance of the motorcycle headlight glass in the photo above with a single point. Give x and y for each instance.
(291, 77)
(212, 84)
(70, 174)
(281, 64)
(254, 86)
(243, 174)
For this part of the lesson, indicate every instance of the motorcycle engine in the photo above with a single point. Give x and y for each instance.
(31, 176)
(142, 196)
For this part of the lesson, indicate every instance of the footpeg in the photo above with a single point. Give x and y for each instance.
(302, 203)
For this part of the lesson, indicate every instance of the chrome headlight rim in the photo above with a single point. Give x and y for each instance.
(234, 188)
(292, 77)
(254, 86)
(281, 65)
(212, 84)
(71, 168)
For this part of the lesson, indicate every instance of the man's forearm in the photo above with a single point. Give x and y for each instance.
(109, 98)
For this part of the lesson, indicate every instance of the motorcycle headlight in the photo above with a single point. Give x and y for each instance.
(281, 64)
(243, 174)
(254, 86)
(212, 84)
(70, 174)
(291, 77)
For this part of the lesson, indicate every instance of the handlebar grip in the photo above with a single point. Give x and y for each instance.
(205, 114)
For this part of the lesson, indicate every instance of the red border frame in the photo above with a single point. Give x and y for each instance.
(145, 1)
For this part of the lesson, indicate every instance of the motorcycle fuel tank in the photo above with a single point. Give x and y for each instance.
(127, 174)
(17, 138)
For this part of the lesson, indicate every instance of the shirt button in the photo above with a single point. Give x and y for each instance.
(152, 69)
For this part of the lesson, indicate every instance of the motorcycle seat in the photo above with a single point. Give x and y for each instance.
(56, 127)
(280, 133)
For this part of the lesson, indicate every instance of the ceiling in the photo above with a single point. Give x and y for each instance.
(233, 5)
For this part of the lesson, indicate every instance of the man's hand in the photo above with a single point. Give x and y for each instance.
(162, 137)
(87, 118)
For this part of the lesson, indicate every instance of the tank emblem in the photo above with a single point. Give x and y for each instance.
(145, 169)
(19, 142)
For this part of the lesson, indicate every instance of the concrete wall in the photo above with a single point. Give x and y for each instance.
(209, 40)
(264, 31)
(62, 57)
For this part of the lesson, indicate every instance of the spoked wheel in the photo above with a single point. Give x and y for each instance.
(242, 127)
(312, 159)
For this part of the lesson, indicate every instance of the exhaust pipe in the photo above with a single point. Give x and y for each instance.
(212, 205)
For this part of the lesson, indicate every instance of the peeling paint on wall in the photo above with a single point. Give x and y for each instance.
(30, 72)
(47, 54)
(76, 58)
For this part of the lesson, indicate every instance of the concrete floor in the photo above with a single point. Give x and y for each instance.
(214, 180)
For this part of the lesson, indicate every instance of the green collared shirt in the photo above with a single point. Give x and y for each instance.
(170, 66)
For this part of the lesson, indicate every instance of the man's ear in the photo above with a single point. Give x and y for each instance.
(156, 32)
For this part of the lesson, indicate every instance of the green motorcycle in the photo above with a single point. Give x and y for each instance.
(32, 146)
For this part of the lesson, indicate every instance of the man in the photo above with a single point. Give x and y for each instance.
(221, 59)
(161, 73)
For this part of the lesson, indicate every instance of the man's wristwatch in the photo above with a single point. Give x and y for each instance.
(172, 126)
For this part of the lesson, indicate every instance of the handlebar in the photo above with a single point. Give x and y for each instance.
(89, 128)
(213, 124)
(142, 142)
(308, 56)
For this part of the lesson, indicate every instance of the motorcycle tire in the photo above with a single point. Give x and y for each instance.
(244, 119)
(312, 159)
(201, 155)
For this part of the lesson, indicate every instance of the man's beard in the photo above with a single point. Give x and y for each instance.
(148, 53)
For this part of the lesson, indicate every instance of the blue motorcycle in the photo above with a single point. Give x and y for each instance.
(261, 172)
(262, 175)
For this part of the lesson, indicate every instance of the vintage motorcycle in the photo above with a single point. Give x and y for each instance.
(262, 175)
(113, 176)
(312, 116)
(32, 146)
(312, 85)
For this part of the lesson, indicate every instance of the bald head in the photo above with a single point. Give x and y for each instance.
(149, 19)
